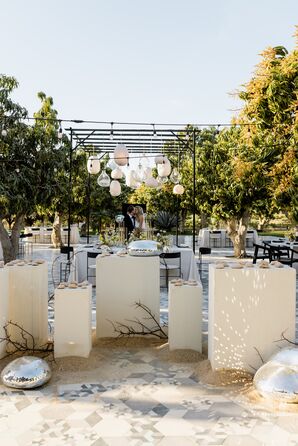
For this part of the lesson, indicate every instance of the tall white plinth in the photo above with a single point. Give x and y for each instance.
(185, 317)
(28, 301)
(3, 307)
(73, 327)
(249, 308)
(120, 282)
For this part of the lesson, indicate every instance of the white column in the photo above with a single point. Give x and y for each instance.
(28, 300)
(3, 307)
(185, 317)
(73, 328)
(120, 282)
(249, 308)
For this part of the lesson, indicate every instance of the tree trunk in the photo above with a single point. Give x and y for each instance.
(204, 220)
(183, 219)
(236, 230)
(56, 233)
(10, 245)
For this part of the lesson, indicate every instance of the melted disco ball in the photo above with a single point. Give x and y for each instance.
(278, 378)
(119, 218)
(143, 248)
(26, 372)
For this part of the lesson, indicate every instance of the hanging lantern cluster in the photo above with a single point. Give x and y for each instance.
(134, 178)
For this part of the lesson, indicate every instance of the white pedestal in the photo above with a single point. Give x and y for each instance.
(185, 317)
(3, 307)
(120, 282)
(249, 309)
(73, 329)
(28, 300)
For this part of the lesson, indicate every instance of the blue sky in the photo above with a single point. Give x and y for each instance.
(164, 61)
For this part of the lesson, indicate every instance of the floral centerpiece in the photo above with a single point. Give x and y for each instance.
(164, 241)
(110, 238)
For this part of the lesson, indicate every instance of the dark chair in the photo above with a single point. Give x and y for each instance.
(203, 250)
(65, 265)
(168, 267)
(261, 252)
(91, 255)
(215, 239)
(284, 254)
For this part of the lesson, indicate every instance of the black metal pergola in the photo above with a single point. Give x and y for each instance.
(148, 139)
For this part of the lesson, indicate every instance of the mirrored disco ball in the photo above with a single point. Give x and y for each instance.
(278, 378)
(26, 372)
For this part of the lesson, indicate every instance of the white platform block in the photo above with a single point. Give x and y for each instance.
(73, 325)
(249, 309)
(120, 282)
(185, 317)
(3, 307)
(28, 300)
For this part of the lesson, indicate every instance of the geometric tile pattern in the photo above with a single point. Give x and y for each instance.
(163, 404)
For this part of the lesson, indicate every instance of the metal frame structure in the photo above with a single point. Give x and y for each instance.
(143, 139)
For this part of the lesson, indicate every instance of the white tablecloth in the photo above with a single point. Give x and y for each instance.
(204, 237)
(189, 267)
(79, 270)
(42, 234)
(188, 263)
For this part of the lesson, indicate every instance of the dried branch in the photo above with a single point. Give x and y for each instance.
(139, 328)
(283, 338)
(27, 344)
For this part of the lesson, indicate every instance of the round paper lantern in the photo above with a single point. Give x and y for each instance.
(93, 165)
(164, 169)
(152, 182)
(159, 159)
(121, 155)
(115, 188)
(178, 189)
(132, 180)
(147, 173)
(117, 174)
(103, 180)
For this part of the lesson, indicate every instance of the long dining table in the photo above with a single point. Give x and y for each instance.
(189, 268)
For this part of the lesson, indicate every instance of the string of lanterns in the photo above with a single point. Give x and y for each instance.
(134, 177)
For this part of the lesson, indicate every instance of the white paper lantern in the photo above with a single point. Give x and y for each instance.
(175, 176)
(178, 189)
(147, 173)
(117, 174)
(115, 188)
(121, 155)
(159, 159)
(132, 180)
(144, 161)
(103, 180)
(93, 165)
(152, 182)
(164, 169)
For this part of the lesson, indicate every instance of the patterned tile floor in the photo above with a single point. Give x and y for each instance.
(146, 401)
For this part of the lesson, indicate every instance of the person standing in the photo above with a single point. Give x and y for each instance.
(129, 220)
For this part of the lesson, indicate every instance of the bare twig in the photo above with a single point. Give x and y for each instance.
(283, 338)
(27, 344)
(139, 328)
